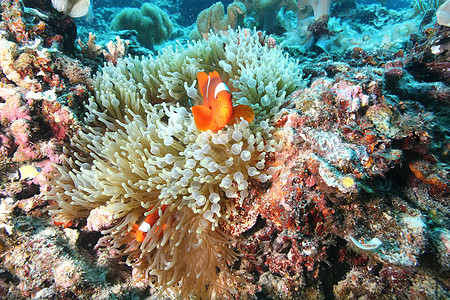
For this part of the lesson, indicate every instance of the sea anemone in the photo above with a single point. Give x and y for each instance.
(139, 153)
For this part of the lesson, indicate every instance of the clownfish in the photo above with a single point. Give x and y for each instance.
(217, 109)
(145, 226)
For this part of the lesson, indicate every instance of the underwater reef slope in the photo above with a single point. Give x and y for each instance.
(339, 187)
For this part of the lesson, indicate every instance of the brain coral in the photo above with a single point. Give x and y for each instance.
(139, 152)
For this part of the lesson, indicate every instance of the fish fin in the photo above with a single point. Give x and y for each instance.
(243, 111)
(203, 118)
(203, 81)
(222, 109)
(215, 77)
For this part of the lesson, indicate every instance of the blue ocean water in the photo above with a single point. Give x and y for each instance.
(367, 24)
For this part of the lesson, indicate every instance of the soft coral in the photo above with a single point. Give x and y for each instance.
(320, 8)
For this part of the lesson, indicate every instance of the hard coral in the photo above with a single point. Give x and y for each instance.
(138, 156)
(8, 54)
(36, 68)
(90, 49)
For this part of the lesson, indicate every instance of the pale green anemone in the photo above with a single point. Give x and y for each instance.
(139, 149)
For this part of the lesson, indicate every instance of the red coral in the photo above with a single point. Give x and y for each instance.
(58, 117)
(426, 171)
(12, 15)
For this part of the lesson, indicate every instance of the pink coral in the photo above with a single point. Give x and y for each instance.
(100, 219)
(20, 129)
(6, 145)
(13, 108)
(67, 275)
(59, 117)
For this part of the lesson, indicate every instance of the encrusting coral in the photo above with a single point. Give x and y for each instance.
(140, 153)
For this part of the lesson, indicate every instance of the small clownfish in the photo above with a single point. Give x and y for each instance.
(145, 226)
(217, 109)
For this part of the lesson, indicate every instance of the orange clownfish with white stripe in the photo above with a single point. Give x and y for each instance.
(217, 109)
(145, 226)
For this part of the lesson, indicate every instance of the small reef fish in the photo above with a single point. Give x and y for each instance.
(217, 109)
(145, 226)
(28, 172)
(370, 245)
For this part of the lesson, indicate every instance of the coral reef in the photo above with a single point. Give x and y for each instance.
(40, 90)
(264, 14)
(35, 24)
(429, 59)
(367, 29)
(27, 250)
(338, 189)
(338, 137)
(34, 77)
